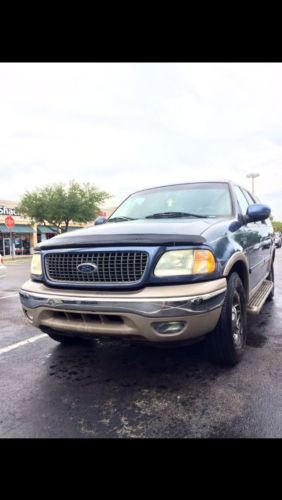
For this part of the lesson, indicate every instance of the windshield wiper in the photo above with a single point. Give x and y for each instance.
(120, 219)
(174, 214)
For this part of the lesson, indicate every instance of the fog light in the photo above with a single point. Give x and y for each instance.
(169, 326)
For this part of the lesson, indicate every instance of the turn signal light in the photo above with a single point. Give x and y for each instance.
(203, 262)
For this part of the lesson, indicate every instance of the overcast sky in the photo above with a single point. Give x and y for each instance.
(129, 126)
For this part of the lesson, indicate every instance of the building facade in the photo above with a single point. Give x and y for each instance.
(23, 237)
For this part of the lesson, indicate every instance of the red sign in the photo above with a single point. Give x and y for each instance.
(9, 222)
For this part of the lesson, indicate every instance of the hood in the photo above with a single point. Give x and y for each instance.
(139, 232)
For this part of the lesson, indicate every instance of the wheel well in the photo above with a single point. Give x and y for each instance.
(240, 268)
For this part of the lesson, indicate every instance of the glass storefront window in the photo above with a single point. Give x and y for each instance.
(21, 244)
(5, 246)
(42, 237)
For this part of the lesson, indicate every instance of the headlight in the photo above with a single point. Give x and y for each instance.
(184, 262)
(36, 267)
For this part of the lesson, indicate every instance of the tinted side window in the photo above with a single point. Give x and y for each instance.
(242, 202)
(249, 197)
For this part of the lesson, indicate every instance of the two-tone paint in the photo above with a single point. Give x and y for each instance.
(246, 247)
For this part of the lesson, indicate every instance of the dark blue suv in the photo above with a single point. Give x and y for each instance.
(174, 263)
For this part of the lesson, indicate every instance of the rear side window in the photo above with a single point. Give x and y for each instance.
(242, 202)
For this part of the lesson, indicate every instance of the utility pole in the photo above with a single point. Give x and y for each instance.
(253, 176)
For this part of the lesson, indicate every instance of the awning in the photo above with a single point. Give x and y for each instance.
(18, 228)
(46, 229)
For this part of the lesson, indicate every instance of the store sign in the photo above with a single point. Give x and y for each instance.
(8, 211)
(9, 222)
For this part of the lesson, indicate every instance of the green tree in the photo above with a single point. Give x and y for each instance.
(58, 204)
(277, 225)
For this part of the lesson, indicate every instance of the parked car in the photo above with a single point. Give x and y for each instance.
(100, 220)
(278, 239)
(175, 263)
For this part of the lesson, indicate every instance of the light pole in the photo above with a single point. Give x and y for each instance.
(253, 176)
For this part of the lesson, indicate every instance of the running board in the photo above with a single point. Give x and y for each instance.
(259, 298)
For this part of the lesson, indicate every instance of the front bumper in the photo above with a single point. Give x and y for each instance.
(196, 306)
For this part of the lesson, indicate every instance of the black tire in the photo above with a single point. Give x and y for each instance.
(227, 342)
(270, 277)
(60, 337)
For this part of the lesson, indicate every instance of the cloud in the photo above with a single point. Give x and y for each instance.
(129, 126)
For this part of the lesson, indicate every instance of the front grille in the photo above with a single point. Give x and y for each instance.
(112, 267)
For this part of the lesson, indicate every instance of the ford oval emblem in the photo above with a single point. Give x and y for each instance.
(87, 268)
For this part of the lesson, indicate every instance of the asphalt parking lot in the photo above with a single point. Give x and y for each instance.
(109, 389)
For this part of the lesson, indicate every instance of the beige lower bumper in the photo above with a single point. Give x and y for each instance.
(195, 308)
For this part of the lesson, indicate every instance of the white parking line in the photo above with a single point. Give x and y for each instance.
(22, 343)
(8, 296)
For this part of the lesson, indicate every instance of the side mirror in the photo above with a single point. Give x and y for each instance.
(100, 220)
(257, 212)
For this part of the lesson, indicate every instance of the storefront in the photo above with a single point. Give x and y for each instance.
(20, 240)
(45, 233)
(24, 236)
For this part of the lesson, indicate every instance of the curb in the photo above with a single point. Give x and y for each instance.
(15, 261)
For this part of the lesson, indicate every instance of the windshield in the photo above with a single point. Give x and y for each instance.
(185, 200)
